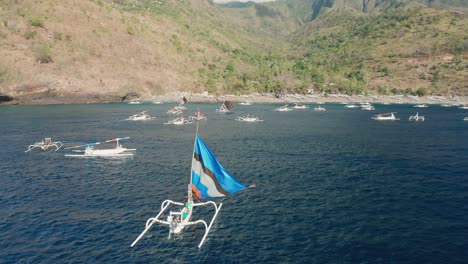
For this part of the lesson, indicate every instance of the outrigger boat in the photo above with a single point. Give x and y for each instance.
(284, 108)
(90, 151)
(245, 103)
(385, 116)
(208, 179)
(319, 108)
(226, 107)
(249, 118)
(45, 145)
(198, 116)
(178, 121)
(416, 117)
(420, 106)
(140, 116)
(177, 109)
(300, 106)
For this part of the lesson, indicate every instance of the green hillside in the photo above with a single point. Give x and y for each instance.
(103, 50)
(409, 47)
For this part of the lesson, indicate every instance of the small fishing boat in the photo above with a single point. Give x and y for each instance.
(178, 121)
(45, 145)
(367, 107)
(226, 107)
(245, 103)
(143, 115)
(134, 102)
(198, 116)
(420, 106)
(284, 108)
(385, 117)
(463, 106)
(319, 108)
(351, 106)
(91, 151)
(416, 117)
(208, 179)
(248, 118)
(300, 106)
(175, 111)
(446, 105)
(465, 119)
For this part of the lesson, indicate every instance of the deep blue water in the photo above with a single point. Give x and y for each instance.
(332, 187)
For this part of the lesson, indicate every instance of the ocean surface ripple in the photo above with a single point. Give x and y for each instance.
(332, 187)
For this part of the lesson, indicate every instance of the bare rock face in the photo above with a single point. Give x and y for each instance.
(5, 98)
(130, 96)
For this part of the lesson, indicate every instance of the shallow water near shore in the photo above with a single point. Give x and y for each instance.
(332, 187)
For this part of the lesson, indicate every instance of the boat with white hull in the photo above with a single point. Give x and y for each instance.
(248, 118)
(143, 115)
(385, 117)
(284, 108)
(91, 151)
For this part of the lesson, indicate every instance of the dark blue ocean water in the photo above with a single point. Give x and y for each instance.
(332, 187)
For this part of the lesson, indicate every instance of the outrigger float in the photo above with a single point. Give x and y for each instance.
(208, 179)
(45, 145)
(90, 151)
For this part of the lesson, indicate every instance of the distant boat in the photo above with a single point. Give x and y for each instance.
(198, 116)
(445, 105)
(140, 116)
(245, 103)
(249, 118)
(134, 102)
(284, 108)
(420, 105)
(416, 117)
(226, 107)
(319, 108)
(385, 117)
(464, 106)
(178, 121)
(367, 107)
(300, 106)
(45, 145)
(351, 106)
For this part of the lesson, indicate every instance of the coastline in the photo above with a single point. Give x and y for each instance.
(311, 98)
(176, 97)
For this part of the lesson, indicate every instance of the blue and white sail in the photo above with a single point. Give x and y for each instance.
(209, 177)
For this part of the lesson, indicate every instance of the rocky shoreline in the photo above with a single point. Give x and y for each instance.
(175, 97)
